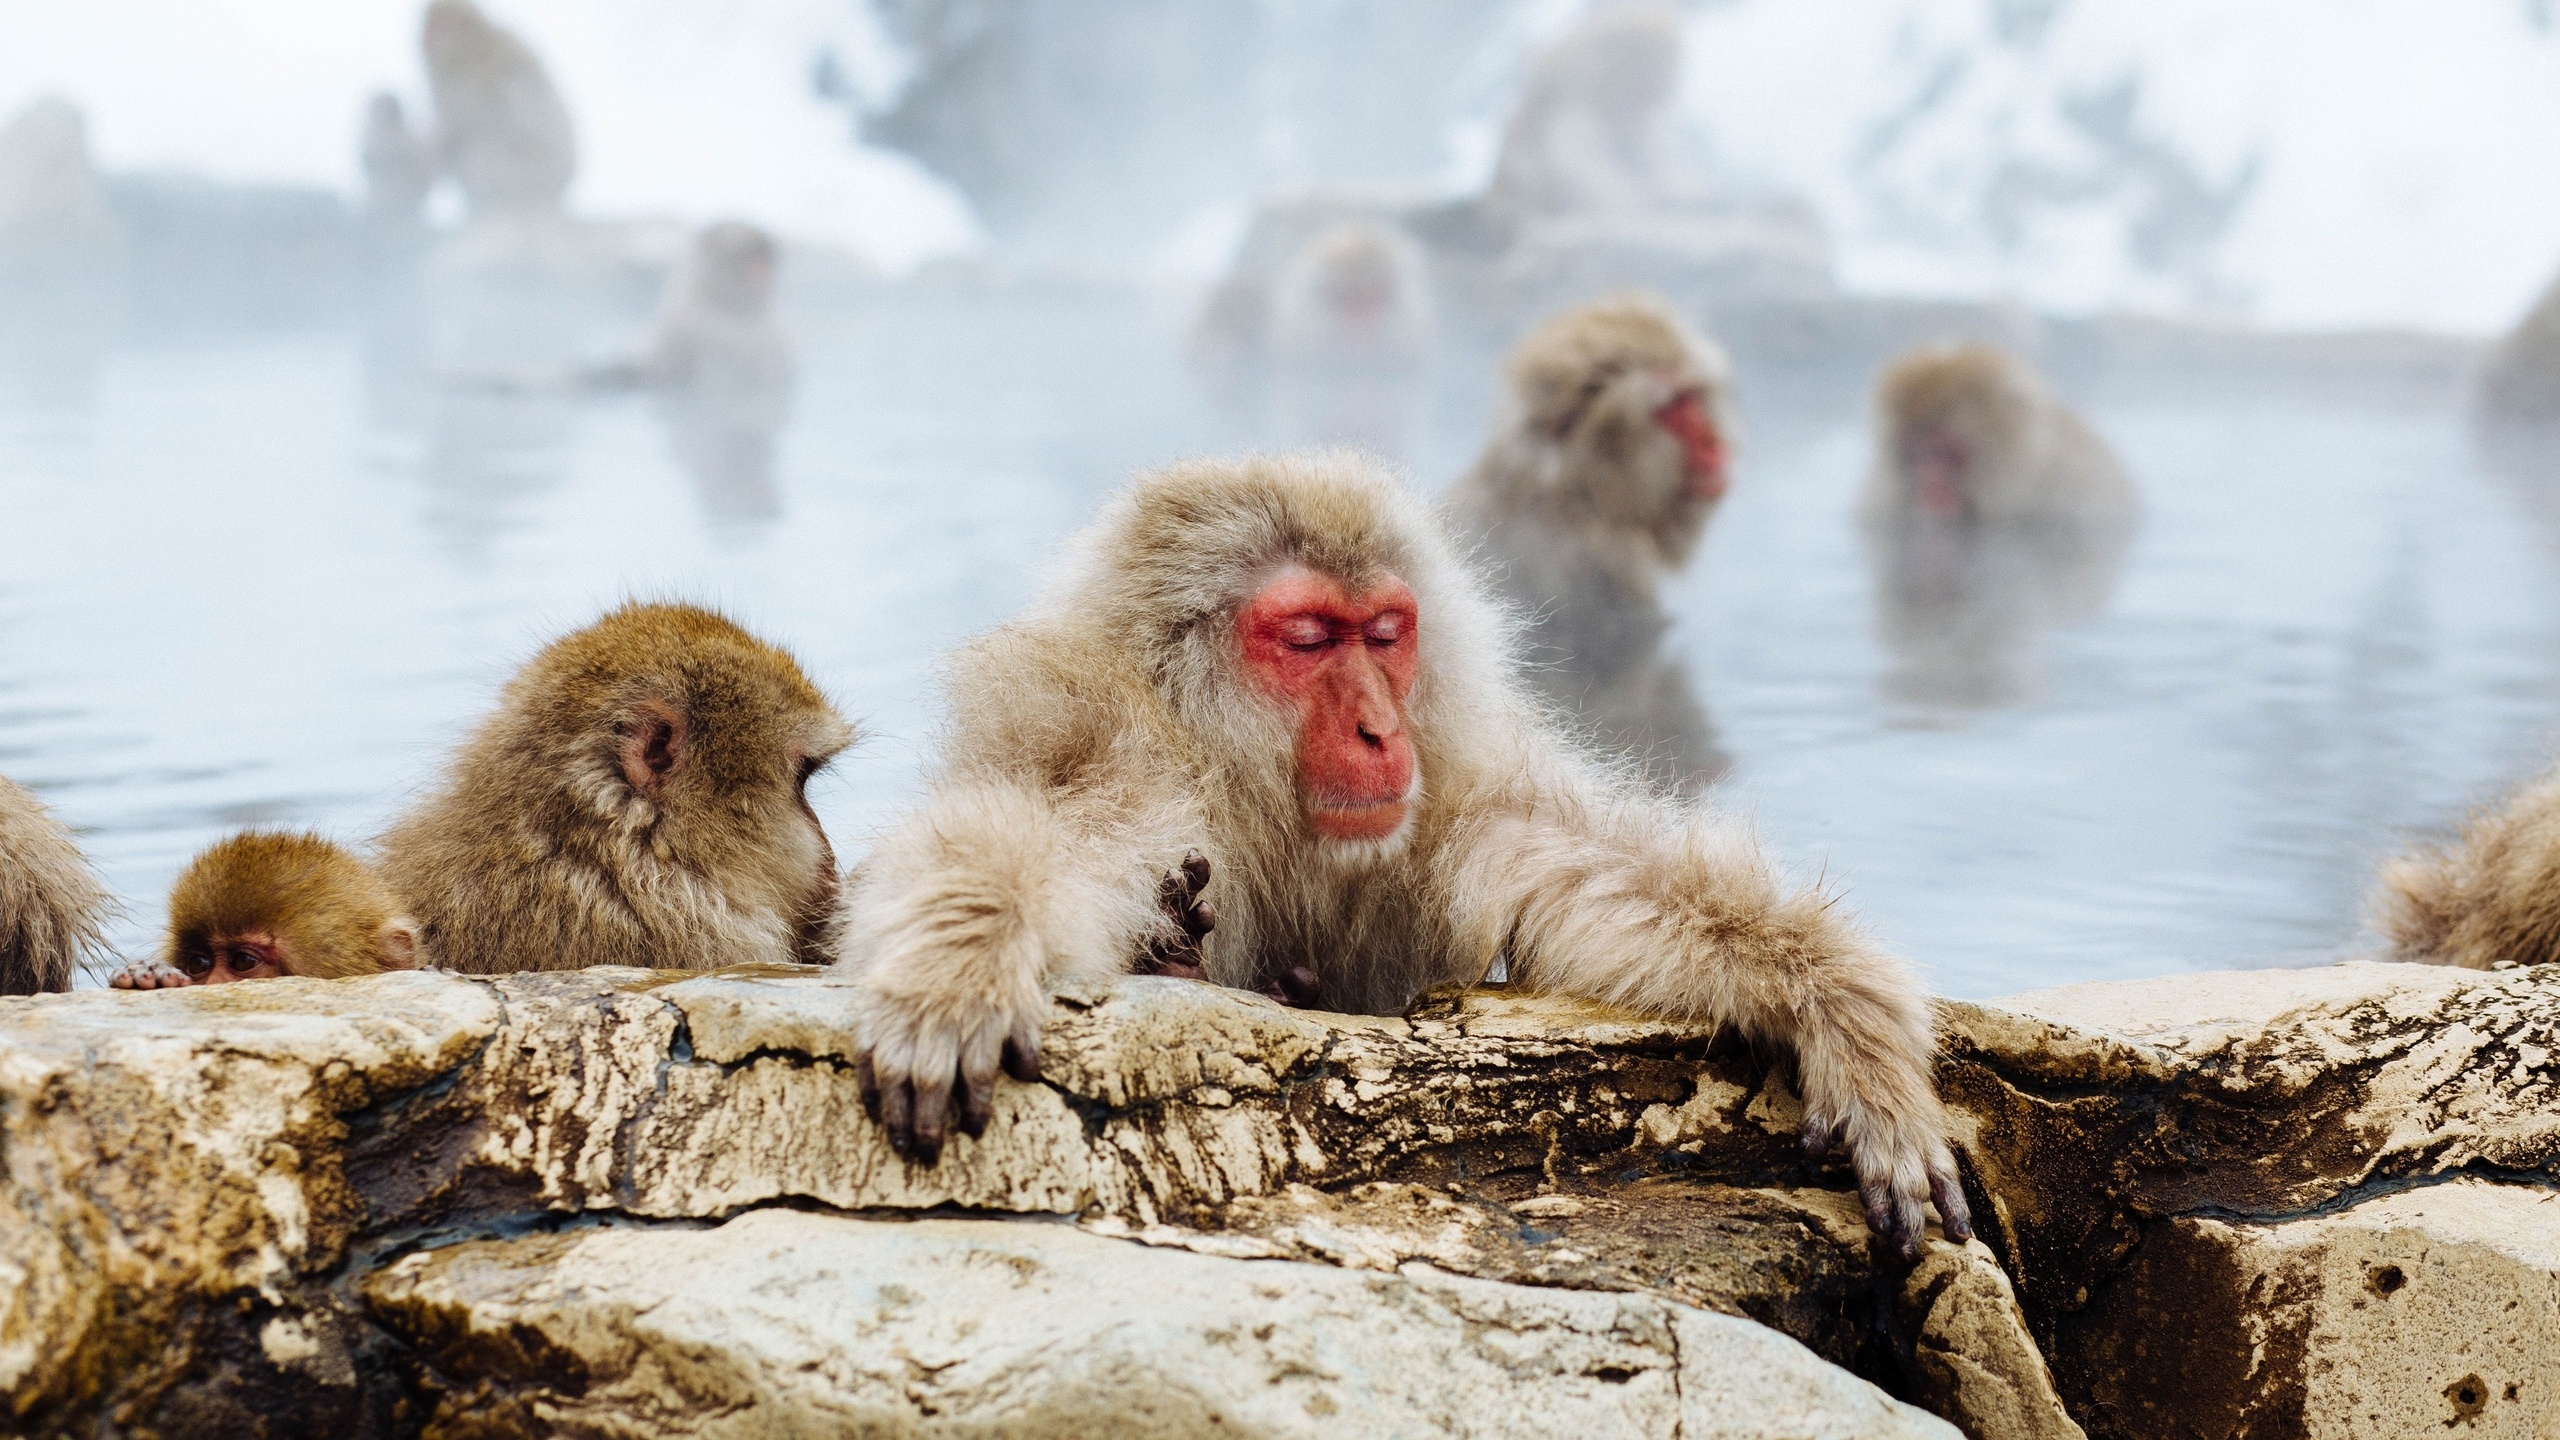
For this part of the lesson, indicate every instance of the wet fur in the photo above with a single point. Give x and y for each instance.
(2033, 457)
(1579, 508)
(538, 854)
(52, 908)
(2492, 895)
(1097, 738)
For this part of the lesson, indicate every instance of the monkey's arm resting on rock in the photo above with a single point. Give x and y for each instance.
(1628, 902)
(968, 914)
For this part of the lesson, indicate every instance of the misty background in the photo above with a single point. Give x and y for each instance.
(279, 508)
(2289, 162)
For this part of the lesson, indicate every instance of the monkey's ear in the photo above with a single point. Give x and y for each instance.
(653, 744)
(396, 945)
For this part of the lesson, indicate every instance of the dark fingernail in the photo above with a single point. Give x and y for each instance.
(1022, 1061)
(1195, 868)
(1204, 918)
(978, 1105)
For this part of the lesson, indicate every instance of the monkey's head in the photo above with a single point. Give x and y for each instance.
(1623, 61)
(1288, 607)
(455, 31)
(678, 740)
(1636, 412)
(266, 903)
(733, 268)
(1356, 281)
(1953, 423)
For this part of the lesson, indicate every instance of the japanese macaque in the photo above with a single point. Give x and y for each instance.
(2520, 380)
(501, 129)
(269, 903)
(2492, 896)
(639, 798)
(1351, 339)
(53, 214)
(1595, 488)
(52, 908)
(1587, 137)
(399, 168)
(1284, 665)
(1993, 513)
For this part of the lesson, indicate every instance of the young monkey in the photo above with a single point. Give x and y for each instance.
(268, 903)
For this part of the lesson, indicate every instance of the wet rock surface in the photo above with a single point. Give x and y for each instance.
(595, 1202)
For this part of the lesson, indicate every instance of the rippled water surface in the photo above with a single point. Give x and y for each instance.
(269, 579)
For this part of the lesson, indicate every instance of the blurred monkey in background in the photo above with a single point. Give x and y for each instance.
(1594, 490)
(1351, 339)
(1992, 513)
(1588, 137)
(502, 131)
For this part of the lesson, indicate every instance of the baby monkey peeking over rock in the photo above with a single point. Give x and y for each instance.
(269, 903)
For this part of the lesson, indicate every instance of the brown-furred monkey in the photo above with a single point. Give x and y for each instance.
(52, 908)
(1593, 491)
(269, 903)
(1281, 663)
(1993, 513)
(639, 798)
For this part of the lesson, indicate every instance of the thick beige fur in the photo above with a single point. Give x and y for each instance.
(52, 908)
(1580, 509)
(1095, 739)
(2033, 457)
(537, 853)
(2492, 895)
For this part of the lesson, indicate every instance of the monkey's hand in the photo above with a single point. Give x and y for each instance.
(1297, 987)
(150, 975)
(1902, 1163)
(1178, 955)
(934, 1032)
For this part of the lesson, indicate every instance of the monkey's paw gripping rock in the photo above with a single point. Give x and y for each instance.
(625, 1202)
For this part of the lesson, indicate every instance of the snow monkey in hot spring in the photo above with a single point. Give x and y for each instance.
(1282, 664)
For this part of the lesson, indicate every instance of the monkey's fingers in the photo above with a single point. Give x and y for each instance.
(1817, 1137)
(1195, 872)
(932, 1117)
(1954, 1216)
(1893, 1219)
(1199, 920)
(1297, 987)
(1022, 1057)
(897, 1116)
(865, 1077)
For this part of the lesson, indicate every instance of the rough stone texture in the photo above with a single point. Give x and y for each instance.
(397, 1206)
(785, 1323)
(2164, 1157)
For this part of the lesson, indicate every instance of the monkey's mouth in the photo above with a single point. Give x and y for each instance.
(1358, 819)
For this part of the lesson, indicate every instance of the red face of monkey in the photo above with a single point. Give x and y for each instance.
(1345, 663)
(1935, 462)
(1687, 419)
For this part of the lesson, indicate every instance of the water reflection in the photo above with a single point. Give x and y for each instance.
(238, 589)
(1962, 604)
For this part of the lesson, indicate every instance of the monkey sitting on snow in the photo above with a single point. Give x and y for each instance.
(1282, 664)
(1993, 513)
(1594, 490)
